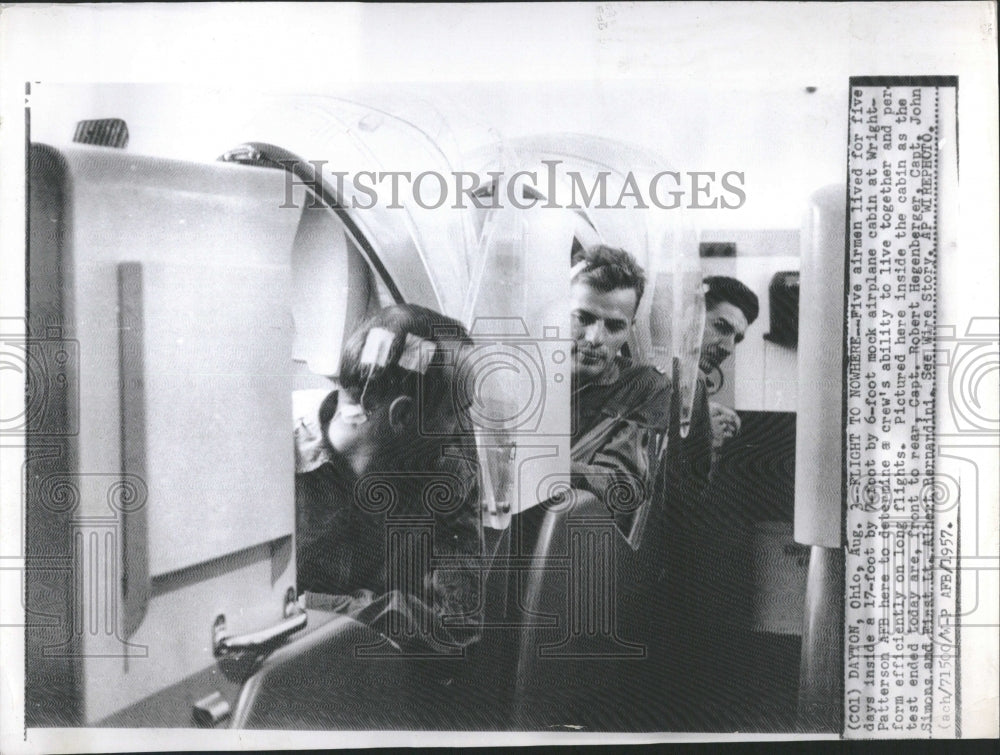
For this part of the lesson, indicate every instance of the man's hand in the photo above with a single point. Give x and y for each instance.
(725, 424)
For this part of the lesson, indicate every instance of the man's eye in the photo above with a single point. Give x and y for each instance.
(723, 327)
(584, 318)
(615, 327)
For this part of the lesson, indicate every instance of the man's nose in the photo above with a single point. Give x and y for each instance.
(594, 333)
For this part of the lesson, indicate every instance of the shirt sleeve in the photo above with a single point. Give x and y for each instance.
(619, 466)
(618, 459)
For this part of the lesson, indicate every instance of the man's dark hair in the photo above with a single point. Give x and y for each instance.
(607, 268)
(722, 288)
(391, 380)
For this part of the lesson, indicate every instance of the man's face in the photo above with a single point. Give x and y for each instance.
(725, 326)
(602, 322)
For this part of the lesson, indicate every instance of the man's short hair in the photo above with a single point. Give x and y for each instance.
(722, 288)
(384, 383)
(606, 268)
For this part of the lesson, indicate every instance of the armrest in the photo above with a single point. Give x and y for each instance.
(307, 683)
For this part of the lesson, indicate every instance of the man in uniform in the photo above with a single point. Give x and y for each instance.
(730, 308)
(621, 411)
(620, 408)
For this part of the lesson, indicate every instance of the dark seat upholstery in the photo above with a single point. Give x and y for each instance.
(578, 649)
(328, 678)
(569, 626)
(314, 682)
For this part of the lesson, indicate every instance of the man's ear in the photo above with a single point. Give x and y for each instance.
(402, 414)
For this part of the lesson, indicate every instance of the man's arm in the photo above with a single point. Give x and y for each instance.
(618, 458)
(618, 462)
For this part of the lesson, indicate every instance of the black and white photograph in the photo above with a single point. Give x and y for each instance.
(498, 374)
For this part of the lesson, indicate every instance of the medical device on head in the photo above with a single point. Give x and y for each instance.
(416, 356)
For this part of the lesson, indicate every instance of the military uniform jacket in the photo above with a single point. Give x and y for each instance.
(618, 434)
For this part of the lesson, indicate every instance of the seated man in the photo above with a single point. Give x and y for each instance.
(372, 480)
(730, 308)
(620, 408)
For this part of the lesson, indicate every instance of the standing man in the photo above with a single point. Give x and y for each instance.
(620, 408)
